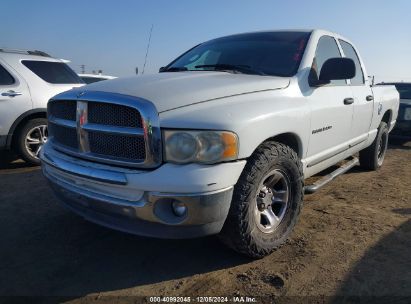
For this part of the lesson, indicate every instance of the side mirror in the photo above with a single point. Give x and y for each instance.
(337, 69)
(162, 69)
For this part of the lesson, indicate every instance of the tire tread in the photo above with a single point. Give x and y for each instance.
(235, 232)
(368, 156)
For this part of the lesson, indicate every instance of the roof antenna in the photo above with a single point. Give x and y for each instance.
(148, 46)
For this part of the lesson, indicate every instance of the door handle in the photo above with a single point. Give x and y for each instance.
(11, 93)
(369, 98)
(348, 101)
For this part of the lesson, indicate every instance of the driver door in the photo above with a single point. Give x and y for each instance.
(331, 110)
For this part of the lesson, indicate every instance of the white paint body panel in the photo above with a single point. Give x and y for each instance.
(35, 91)
(192, 178)
(105, 77)
(173, 90)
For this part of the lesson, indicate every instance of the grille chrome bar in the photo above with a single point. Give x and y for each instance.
(62, 122)
(113, 130)
(132, 144)
(82, 119)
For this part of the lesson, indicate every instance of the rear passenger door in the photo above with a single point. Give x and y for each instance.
(15, 98)
(330, 115)
(363, 97)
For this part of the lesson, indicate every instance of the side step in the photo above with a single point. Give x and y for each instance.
(329, 177)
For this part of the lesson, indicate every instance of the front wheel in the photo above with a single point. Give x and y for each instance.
(31, 138)
(266, 202)
(372, 157)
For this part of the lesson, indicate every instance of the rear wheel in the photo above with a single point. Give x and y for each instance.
(266, 202)
(373, 156)
(31, 138)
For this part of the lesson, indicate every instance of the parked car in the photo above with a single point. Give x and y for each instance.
(403, 125)
(221, 140)
(91, 78)
(28, 79)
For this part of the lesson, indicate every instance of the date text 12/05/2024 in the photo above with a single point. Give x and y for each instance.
(235, 299)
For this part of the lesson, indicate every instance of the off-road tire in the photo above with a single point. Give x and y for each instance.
(369, 157)
(20, 144)
(240, 230)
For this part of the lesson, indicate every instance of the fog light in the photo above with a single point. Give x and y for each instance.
(179, 208)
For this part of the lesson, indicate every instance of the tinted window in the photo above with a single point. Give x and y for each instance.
(404, 90)
(267, 53)
(327, 48)
(5, 77)
(53, 72)
(91, 79)
(349, 52)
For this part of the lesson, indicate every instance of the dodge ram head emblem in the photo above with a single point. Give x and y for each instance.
(82, 119)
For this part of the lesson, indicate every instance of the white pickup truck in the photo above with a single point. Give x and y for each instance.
(221, 140)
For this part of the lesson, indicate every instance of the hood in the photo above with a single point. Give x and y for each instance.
(178, 89)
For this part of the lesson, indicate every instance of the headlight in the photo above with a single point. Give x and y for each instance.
(184, 146)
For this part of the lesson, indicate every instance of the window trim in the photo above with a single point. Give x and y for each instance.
(359, 60)
(341, 54)
(11, 75)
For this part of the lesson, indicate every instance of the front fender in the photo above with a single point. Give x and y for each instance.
(253, 117)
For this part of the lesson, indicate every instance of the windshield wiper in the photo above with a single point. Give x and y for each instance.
(175, 69)
(246, 69)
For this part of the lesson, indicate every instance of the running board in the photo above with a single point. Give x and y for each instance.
(329, 177)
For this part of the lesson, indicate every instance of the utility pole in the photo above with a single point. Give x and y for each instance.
(83, 69)
(148, 46)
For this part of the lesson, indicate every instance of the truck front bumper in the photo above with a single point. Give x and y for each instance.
(141, 202)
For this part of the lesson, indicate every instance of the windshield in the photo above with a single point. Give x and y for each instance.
(264, 53)
(404, 90)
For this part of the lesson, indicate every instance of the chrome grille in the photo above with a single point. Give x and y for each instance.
(113, 115)
(129, 147)
(63, 109)
(65, 136)
(108, 128)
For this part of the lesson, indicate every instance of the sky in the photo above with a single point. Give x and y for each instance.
(113, 35)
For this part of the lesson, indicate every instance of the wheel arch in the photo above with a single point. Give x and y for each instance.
(387, 117)
(290, 139)
(21, 120)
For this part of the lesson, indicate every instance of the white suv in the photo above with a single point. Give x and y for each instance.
(28, 79)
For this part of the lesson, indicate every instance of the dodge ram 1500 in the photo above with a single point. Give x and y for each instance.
(221, 140)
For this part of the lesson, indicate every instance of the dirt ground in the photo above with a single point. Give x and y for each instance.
(353, 239)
